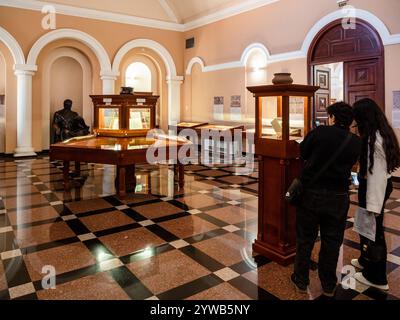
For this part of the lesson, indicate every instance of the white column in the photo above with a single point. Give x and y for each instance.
(108, 79)
(174, 99)
(24, 110)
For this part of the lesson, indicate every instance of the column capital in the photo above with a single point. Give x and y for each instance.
(175, 79)
(25, 69)
(109, 75)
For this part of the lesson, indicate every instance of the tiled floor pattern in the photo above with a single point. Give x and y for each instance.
(161, 243)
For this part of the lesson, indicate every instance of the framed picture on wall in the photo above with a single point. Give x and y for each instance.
(322, 101)
(323, 79)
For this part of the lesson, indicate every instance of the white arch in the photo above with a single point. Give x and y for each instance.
(83, 37)
(192, 62)
(87, 110)
(236, 64)
(249, 50)
(377, 23)
(13, 46)
(150, 44)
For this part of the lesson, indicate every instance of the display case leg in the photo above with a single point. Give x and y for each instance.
(121, 181)
(181, 175)
(66, 175)
(77, 168)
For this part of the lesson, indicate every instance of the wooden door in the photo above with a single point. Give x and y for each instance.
(364, 79)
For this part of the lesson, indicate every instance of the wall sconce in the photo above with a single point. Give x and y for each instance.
(342, 3)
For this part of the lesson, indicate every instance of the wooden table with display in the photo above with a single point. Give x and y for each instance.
(119, 138)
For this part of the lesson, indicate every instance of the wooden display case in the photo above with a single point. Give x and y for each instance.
(126, 115)
(283, 118)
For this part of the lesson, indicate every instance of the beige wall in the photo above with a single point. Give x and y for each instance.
(66, 83)
(281, 27)
(25, 26)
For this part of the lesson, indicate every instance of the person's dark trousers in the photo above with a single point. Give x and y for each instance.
(326, 211)
(374, 269)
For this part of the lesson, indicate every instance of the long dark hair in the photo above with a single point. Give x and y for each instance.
(371, 120)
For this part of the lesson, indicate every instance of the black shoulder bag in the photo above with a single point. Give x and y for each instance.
(295, 191)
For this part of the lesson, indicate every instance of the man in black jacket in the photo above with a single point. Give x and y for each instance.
(325, 202)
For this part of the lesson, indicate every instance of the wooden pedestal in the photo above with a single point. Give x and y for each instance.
(276, 238)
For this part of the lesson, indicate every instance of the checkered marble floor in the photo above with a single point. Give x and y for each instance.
(160, 243)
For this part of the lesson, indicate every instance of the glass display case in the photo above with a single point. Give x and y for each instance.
(283, 118)
(125, 115)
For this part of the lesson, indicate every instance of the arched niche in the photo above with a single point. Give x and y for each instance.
(170, 92)
(149, 63)
(159, 73)
(9, 134)
(42, 85)
(74, 81)
(256, 74)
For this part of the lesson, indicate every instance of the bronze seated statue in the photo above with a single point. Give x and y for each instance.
(68, 124)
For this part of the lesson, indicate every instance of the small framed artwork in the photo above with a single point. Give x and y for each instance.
(218, 101)
(323, 79)
(322, 101)
(236, 101)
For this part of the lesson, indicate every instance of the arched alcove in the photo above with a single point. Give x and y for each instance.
(91, 83)
(66, 74)
(158, 75)
(138, 75)
(170, 82)
(256, 62)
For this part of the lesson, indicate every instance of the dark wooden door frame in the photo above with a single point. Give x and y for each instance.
(354, 57)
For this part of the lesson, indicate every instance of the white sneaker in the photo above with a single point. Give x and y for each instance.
(356, 264)
(360, 278)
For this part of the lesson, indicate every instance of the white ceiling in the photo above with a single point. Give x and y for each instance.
(179, 12)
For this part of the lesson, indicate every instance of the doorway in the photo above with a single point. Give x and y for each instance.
(348, 65)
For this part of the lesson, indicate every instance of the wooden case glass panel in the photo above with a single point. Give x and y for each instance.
(109, 118)
(297, 106)
(139, 118)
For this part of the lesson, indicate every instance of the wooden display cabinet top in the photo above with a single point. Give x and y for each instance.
(283, 90)
(125, 97)
(124, 115)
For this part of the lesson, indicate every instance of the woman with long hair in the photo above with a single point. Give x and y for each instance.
(380, 157)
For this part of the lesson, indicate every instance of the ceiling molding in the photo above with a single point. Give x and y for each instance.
(227, 13)
(172, 14)
(144, 22)
(94, 14)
